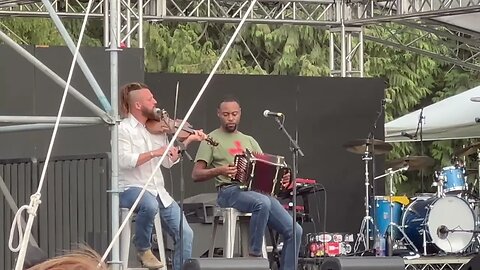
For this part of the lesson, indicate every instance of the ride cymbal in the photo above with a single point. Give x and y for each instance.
(413, 162)
(468, 150)
(359, 146)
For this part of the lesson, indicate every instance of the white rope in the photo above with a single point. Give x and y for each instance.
(175, 135)
(35, 198)
(18, 220)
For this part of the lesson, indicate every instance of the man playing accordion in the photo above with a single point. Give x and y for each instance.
(218, 163)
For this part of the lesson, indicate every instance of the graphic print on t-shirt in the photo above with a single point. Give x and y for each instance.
(238, 150)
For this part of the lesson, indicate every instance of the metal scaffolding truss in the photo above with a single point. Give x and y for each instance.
(314, 12)
(437, 263)
(463, 49)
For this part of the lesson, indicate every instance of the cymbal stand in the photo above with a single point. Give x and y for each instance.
(392, 225)
(478, 175)
(439, 184)
(477, 218)
(363, 236)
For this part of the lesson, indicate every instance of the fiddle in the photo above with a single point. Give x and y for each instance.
(162, 123)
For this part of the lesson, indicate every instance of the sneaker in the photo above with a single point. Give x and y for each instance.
(149, 260)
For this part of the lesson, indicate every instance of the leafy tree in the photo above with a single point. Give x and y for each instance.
(41, 31)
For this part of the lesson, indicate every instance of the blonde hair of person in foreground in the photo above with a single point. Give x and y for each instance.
(83, 258)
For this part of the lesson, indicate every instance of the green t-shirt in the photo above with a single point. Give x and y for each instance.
(229, 145)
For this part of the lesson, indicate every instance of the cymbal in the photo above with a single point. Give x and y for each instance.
(359, 146)
(466, 151)
(414, 163)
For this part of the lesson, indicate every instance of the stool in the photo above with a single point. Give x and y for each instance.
(125, 238)
(230, 218)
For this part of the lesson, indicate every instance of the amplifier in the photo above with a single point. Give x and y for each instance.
(200, 208)
(199, 212)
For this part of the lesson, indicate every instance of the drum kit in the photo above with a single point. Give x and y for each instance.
(444, 222)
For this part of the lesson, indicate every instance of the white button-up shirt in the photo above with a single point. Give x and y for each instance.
(133, 140)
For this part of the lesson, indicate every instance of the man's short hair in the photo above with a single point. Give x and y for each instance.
(229, 98)
(125, 91)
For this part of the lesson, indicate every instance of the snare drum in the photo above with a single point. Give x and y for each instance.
(453, 179)
(425, 216)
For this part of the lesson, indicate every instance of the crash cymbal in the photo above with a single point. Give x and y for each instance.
(466, 151)
(359, 146)
(414, 163)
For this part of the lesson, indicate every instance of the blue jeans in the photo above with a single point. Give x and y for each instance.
(170, 216)
(266, 210)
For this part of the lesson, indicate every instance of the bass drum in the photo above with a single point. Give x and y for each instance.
(431, 214)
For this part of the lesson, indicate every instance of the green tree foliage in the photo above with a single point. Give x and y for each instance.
(42, 32)
(261, 49)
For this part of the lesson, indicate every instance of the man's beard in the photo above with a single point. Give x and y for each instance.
(149, 113)
(231, 128)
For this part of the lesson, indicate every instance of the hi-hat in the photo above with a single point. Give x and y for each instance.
(359, 146)
(466, 151)
(413, 162)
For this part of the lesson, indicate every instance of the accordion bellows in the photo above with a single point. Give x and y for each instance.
(260, 172)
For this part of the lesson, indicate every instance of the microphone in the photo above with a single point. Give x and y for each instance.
(408, 135)
(159, 112)
(268, 113)
(442, 231)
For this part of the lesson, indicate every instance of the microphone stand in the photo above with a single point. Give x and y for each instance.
(182, 151)
(420, 124)
(370, 150)
(421, 117)
(295, 149)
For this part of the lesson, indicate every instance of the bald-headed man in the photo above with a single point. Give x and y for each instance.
(139, 152)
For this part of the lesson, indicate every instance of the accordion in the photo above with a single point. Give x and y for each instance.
(260, 172)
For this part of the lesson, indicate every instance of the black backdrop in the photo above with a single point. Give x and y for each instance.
(324, 113)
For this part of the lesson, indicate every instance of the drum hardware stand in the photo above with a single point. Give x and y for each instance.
(424, 241)
(369, 155)
(363, 236)
(439, 184)
(392, 224)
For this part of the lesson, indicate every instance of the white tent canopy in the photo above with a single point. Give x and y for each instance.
(451, 118)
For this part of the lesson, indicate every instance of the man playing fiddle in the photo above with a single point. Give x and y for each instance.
(141, 144)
